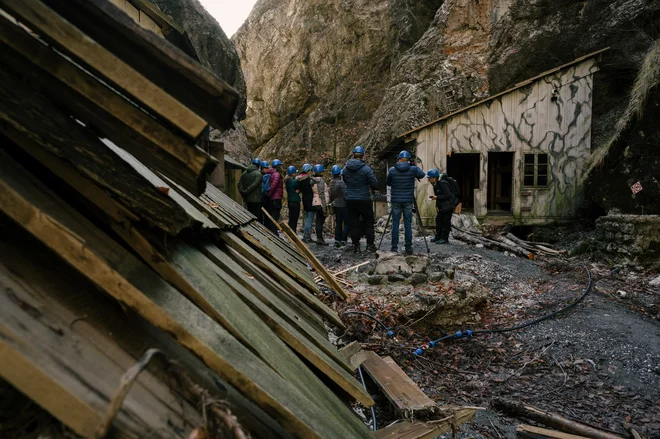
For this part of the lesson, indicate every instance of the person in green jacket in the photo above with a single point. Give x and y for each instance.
(293, 197)
(249, 186)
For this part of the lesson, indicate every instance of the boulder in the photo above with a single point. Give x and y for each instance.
(396, 278)
(418, 279)
(390, 263)
(436, 277)
(418, 264)
(376, 279)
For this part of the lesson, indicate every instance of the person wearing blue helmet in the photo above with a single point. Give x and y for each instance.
(249, 186)
(445, 202)
(359, 178)
(338, 201)
(319, 201)
(275, 193)
(401, 178)
(292, 196)
(307, 196)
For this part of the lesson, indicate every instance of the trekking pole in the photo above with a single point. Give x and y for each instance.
(389, 217)
(421, 227)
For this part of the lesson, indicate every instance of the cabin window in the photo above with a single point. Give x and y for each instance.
(535, 170)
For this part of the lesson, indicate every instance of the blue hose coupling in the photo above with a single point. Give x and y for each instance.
(432, 344)
(459, 334)
(390, 334)
(469, 333)
(419, 351)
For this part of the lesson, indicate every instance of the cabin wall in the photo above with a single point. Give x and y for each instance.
(523, 121)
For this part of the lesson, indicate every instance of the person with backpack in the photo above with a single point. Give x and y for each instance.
(401, 178)
(359, 179)
(276, 192)
(266, 175)
(249, 186)
(307, 195)
(319, 201)
(445, 203)
(338, 201)
(292, 196)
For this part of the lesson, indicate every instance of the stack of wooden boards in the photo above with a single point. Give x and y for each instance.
(112, 243)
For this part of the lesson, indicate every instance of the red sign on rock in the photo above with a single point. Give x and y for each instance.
(636, 188)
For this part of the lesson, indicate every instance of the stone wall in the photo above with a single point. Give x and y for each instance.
(636, 236)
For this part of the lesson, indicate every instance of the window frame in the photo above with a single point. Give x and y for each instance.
(536, 165)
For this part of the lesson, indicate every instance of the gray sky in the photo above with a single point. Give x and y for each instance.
(229, 13)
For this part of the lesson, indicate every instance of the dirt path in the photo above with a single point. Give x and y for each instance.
(599, 363)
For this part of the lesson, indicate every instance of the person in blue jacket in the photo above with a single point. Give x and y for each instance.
(401, 178)
(359, 179)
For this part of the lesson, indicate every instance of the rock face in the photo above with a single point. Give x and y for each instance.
(217, 52)
(324, 75)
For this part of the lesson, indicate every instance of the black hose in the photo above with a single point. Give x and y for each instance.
(373, 412)
(385, 328)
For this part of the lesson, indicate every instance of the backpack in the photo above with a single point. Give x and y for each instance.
(265, 184)
(455, 190)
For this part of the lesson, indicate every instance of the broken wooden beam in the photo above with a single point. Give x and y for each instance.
(318, 266)
(353, 354)
(550, 419)
(532, 432)
(73, 42)
(156, 58)
(402, 392)
(428, 429)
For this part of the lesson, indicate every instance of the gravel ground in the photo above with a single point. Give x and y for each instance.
(599, 363)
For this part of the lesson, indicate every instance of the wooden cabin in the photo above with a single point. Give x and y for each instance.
(517, 155)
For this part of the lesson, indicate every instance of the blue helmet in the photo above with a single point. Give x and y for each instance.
(404, 155)
(306, 167)
(265, 164)
(433, 173)
(256, 161)
(358, 150)
(276, 163)
(318, 169)
(336, 170)
(291, 170)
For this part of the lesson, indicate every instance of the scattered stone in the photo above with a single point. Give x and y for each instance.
(622, 293)
(376, 279)
(479, 246)
(389, 263)
(436, 277)
(418, 264)
(396, 278)
(418, 279)
(655, 282)
(450, 272)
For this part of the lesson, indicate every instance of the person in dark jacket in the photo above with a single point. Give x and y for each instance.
(401, 178)
(359, 178)
(307, 195)
(276, 192)
(249, 186)
(338, 200)
(266, 183)
(445, 202)
(292, 196)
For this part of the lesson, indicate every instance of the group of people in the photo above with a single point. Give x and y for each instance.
(348, 197)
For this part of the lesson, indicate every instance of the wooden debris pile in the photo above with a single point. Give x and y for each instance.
(463, 229)
(114, 247)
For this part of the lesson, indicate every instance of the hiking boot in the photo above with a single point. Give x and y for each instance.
(372, 248)
(307, 239)
(352, 248)
(443, 241)
(409, 252)
(342, 244)
(337, 244)
(321, 242)
(435, 239)
(394, 250)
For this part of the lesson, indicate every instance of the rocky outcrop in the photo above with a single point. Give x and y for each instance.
(324, 73)
(217, 52)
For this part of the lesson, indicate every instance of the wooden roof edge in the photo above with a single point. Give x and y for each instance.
(157, 15)
(515, 87)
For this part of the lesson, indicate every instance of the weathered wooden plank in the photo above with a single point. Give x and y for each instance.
(28, 116)
(354, 354)
(268, 247)
(406, 397)
(157, 59)
(261, 232)
(215, 216)
(94, 102)
(229, 262)
(291, 334)
(301, 308)
(116, 271)
(121, 334)
(70, 377)
(530, 431)
(429, 429)
(396, 368)
(318, 266)
(237, 211)
(283, 278)
(72, 41)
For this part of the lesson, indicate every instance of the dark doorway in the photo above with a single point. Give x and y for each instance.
(500, 182)
(464, 168)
